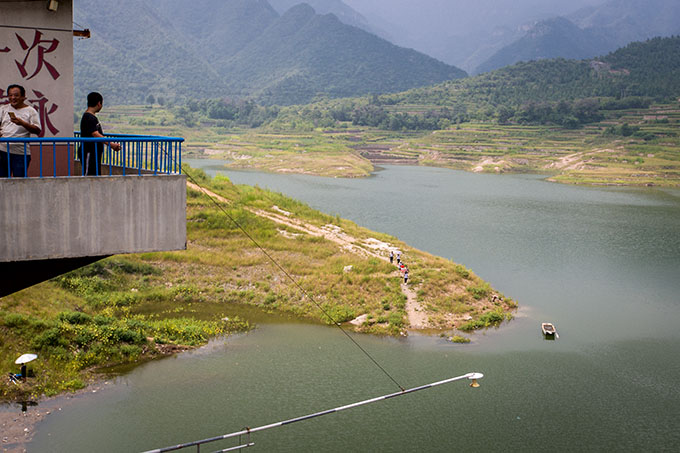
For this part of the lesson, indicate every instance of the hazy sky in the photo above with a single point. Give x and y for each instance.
(455, 17)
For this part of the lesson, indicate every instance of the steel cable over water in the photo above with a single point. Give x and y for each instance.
(290, 277)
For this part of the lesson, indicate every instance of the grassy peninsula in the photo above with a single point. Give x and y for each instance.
(127, 309)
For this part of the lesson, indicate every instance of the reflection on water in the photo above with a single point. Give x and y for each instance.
(601, 264)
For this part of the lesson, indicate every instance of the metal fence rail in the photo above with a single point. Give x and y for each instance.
(61, 156)
(474, 376)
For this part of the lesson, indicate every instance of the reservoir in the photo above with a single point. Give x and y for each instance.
(602, 264)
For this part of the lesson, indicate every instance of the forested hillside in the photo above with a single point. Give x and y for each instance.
(548, 39)
(569, 93)
(133, 53)
(316, 54)
(179, 49)
(645, 69)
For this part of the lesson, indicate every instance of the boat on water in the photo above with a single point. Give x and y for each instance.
(549, 330)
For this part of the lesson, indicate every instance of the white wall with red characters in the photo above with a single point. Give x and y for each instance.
(36, 52)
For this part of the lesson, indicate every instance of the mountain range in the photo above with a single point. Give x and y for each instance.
(179, 49)
(488, 34)
(591, 31)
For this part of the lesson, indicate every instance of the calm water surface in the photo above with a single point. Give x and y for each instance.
(602, 264)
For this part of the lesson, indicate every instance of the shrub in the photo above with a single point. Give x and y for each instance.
(270, 299)
(49, 338)
(102, 320)
(490, 318)
(73, 385)
(462, 271)
(74, 317)
(13, 320)
(130, 351)
(122, 299)
(396, 320)
(130, 267)
(337, 313)
(479, 292)
(128, 336)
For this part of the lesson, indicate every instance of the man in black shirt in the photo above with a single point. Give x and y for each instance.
(91, 156)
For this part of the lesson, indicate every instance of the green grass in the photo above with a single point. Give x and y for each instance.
(127, 308)
(90, 322)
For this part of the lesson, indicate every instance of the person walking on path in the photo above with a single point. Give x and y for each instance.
(406, 277)
(398, 257)
(17, 120)
(391, 256)
(91, 157)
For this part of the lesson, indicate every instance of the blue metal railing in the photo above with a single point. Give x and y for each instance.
(60, 156)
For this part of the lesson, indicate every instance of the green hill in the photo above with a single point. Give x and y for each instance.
(650, 68)
(179, 50)
(548, 39)
(134, 53)
(562, 92)
(303, 54)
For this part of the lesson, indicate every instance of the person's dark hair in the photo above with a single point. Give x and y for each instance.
(23, 91)
(94, 98)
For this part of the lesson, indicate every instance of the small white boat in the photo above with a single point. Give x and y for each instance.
(549, 330)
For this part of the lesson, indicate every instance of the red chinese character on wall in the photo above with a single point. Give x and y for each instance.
(40, 104)
(39, 58)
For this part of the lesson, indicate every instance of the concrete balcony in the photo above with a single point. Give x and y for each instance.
(53, 224)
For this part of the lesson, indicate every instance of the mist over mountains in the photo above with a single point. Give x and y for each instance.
(488, 34)
(178, 49)
(285, 52)
(591, 31)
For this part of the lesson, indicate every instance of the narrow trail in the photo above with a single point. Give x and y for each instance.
(417, 319)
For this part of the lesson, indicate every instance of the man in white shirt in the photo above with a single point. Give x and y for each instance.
(17, 120)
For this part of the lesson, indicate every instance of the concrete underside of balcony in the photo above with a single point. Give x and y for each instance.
(52, 225)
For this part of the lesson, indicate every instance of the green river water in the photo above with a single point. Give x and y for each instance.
(602, 264)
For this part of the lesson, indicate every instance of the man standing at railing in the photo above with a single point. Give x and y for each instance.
(17, 120)
(91, 158)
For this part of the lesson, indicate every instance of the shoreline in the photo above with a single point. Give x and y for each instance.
(551, 177)
(17, 427)
(357, 247)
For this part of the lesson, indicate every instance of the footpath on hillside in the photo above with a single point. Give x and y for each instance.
(417, 319)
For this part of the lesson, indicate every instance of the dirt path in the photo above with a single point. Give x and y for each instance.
(570, 162)
(417, 319)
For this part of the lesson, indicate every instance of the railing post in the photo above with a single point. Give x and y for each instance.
(154, 152)
(68, 158)
(123, 149)
(40, 147)
(8, 167)
(140, 161)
